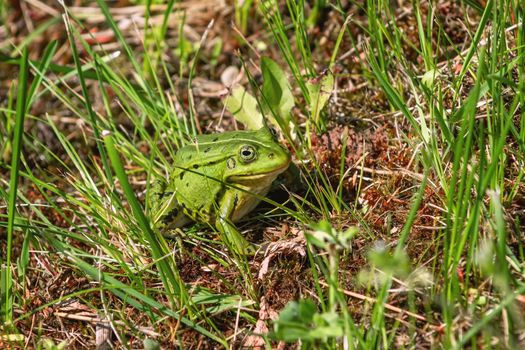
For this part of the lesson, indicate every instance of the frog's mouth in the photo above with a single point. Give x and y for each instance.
(259, 176)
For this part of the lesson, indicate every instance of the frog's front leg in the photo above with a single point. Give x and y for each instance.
(226, 227)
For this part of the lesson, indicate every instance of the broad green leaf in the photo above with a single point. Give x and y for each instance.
(271, 89)
(277, 92)
(300, 320)
(277, 103)
(320, 92)
(243, 106)
(295, 320)
(151, 344)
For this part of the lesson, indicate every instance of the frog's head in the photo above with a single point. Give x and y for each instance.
(257, 157)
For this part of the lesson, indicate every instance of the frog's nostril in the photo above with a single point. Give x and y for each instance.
(271, 155)
(230, 163)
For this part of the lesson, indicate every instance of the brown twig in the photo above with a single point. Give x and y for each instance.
(374, 300)
(94, 319)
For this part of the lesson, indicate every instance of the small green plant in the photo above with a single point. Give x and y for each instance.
(300, 320)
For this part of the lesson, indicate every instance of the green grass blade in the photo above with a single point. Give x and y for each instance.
(55, 68)
(85, 94)
(42, 67)
(13, 182)
(161, 253)
(476, 40)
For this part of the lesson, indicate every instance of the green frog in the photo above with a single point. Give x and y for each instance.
(218, 179)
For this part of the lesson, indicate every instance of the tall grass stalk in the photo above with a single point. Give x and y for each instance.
(21, 108)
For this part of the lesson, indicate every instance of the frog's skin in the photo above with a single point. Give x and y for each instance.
(214, 180)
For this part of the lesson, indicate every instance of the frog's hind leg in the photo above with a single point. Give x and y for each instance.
(167, 213)
(174, 218)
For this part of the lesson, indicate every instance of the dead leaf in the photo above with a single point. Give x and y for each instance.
(294, 245)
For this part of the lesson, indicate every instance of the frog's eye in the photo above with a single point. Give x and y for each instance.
(247, 153)
(273, 131)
